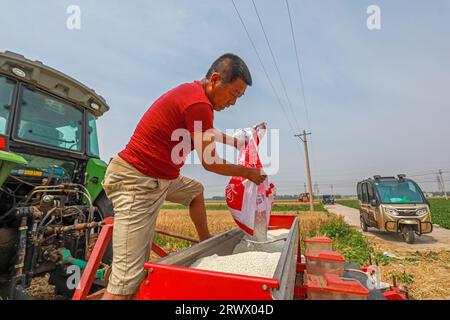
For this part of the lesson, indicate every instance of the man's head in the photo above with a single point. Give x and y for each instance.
(226, 81)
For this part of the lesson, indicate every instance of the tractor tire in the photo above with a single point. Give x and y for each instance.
(105, 207)
(58, 278)
(408, 234)
(8, 240)
(364, 226)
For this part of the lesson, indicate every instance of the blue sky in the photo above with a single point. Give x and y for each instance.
(379, 101)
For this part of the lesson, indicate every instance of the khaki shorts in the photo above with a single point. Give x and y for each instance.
(136, 199)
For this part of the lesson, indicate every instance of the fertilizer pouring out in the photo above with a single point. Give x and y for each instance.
(251, 204)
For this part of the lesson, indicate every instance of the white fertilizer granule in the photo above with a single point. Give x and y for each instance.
(253, 263)
(248, 258)
(276, 246)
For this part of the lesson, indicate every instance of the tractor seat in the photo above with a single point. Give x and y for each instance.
(40, 133)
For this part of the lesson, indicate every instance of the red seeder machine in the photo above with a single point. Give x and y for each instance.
(319, 274)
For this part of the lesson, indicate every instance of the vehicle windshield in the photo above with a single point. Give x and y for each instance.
(7, 87)
(399, 192)
(93, 149)
(46, 120)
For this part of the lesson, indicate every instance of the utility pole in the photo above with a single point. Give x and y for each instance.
(317, 189)
(443, 184)
(304, 186)
(332, 193)
(438, 179)
(308, 170)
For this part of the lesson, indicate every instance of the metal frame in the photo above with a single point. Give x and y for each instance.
(166, 280)
(87, 278)
(419, 224)
(172, 278)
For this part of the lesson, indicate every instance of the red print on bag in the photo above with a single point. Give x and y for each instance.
(235, 193)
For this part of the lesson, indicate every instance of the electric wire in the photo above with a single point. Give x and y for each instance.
(276, 64)
(265, 70)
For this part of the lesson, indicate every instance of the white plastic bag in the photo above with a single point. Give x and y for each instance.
(249, 204)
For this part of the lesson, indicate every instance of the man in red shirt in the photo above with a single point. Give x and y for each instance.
(147, 171)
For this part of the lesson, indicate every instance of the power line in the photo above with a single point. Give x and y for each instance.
(275, 63)
(265, 70)
(302, 87)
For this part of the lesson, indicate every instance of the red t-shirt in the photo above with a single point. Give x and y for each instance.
(150, 148)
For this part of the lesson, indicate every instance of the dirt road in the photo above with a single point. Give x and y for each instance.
(438, 239)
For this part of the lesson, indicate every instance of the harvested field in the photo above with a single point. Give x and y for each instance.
(425, 274)
(178, 221)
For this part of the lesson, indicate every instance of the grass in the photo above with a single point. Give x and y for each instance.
(440, 210)
(349, 242)
(349, 203)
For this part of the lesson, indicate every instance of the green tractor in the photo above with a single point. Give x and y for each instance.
(51, 198)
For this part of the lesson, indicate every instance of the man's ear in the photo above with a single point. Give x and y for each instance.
(215, 79)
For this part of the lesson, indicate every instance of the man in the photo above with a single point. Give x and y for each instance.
(145, 173)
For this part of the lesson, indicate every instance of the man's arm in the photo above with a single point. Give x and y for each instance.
(204, 144)
(235, 141)
(225, 139)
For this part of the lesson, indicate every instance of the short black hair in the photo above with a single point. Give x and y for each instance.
(230, 67)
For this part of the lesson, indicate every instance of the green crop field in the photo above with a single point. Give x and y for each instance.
(440, 210)
(349, 203)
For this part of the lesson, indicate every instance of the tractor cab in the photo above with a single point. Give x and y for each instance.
(48, 125)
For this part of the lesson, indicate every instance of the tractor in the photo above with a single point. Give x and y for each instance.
(51, 199)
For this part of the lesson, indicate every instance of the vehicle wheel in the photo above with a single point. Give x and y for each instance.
(408, 234)
(8, 240)
(363, 223)
(58, 278)
(105, 207)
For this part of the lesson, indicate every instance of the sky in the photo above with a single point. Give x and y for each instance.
(378, 101)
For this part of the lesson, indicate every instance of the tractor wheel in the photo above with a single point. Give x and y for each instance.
(105, 207)
(59, 277)
(364, 226)
(8, 239)
(408, 234)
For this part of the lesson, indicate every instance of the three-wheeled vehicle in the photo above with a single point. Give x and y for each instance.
(394, 204)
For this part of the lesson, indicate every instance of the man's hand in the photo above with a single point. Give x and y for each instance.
(240, 142)
(206, 151)
(256, 175)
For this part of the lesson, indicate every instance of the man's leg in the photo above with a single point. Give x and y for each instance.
(189, 192)
(136, 200)
(197, 212)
